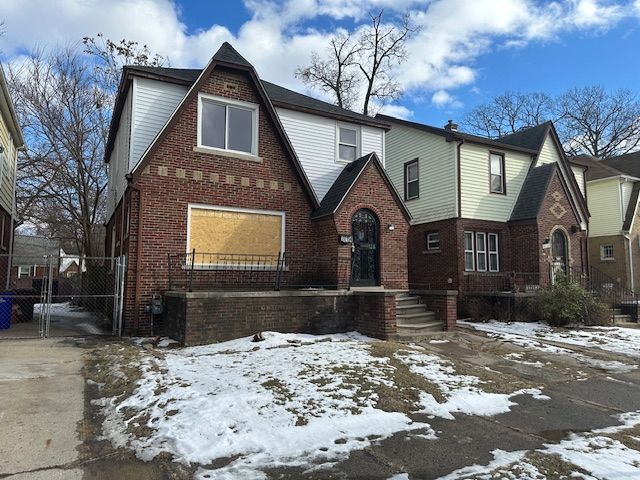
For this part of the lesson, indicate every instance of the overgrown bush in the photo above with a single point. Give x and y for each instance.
(567, 303)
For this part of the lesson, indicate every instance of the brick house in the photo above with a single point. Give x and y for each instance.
(613, 193)
(226, 173)
(487, 215)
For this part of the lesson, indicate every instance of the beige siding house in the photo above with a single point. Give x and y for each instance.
(11, 141)
(612, 192)
(486, 209)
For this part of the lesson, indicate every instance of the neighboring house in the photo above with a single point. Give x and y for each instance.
(487, 214)
(613, 187)
(218, 162)
(31, 257)
(11, 141)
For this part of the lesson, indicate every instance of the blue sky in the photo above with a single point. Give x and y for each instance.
(466, 51)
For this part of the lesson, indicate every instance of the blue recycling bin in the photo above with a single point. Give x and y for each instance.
(6, 307)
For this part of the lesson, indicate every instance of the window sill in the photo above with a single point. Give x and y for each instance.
(429, 252)
(228, 153)
(608, 260)
(411, 199)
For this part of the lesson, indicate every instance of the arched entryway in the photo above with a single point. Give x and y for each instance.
(559, 254)
(364, 259)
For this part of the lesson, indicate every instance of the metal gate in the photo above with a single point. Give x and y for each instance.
(56, 295)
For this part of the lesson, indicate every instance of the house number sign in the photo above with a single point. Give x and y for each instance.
(346, 239)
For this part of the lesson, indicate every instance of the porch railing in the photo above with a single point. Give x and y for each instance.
(230, 271)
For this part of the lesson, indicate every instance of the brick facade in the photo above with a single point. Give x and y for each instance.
(155, 205)
(520, 246)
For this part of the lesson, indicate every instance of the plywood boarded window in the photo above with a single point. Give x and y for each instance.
(228, 235)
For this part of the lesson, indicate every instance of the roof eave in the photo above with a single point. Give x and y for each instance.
(336, 116)
(14, 126)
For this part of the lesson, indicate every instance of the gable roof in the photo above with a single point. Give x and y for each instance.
(279, 96)
(595, 169)
(226, 56)
(456, 135)
(532, 138)
(628, 164)
(533, 192)
(345, 182)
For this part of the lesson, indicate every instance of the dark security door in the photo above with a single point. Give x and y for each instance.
(364, 261)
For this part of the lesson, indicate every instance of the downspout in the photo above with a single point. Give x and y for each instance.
(136, 293)
(459, 180)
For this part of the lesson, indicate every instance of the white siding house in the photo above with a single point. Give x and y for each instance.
(604, 202)
(549, 152)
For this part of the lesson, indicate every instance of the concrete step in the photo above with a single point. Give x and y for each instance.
(407, 301)
(418, 332)
(410, 308)
(416, 318)
(619, 318)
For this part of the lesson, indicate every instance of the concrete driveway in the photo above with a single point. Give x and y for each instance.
(41, 406)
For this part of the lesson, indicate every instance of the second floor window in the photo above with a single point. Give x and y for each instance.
(227, 126)
(496, 173)
(411, 180)
(347, 143)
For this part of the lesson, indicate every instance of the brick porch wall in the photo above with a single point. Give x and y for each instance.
(432, 270)
(444, 303)
(205, 317)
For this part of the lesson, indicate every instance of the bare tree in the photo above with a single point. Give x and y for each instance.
(508, 113)
(335, 74)
(64, 100)
(366, 63)
(594, 121)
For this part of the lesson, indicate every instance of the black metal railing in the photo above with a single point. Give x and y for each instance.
(479, 282)
(612, 292)
(196, 271)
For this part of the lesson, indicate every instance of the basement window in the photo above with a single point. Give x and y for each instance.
(24, 271)
(225, 124)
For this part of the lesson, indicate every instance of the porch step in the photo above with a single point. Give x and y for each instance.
(414, 321)
(619, 318)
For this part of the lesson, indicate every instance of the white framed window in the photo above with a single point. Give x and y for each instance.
(24, 271)
(481, 251)
(433, 241)
(606, 253)
(494, 256)
(411, 180)
(347, 143)
(469, 253)
(225, 124)
(496, 173)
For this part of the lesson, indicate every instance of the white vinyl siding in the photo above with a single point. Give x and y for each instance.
(437, 172)
(314, 139)
(477, 201)
(578, 174)
(627, 187)
(549, 152)
(119, 160)
(603, 202)
(153, 104)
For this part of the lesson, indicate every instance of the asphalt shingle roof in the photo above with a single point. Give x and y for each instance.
(533, 192)
(531, 138)
(348, 175)
(596, 169)
(628, 163)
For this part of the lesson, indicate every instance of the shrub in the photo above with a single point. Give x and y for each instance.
(566, 303)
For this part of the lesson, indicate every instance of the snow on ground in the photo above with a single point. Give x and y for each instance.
(595, 452)
(65, 309)
(291, 400)
(613, 339)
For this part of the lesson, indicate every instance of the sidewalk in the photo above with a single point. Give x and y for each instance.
(41, 403)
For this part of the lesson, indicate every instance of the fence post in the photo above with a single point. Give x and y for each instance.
(193, 259)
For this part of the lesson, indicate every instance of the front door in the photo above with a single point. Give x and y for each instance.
(559, 255)
(364, 260)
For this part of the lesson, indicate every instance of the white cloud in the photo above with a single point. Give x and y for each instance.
(398, 111)
(442, 98)
(280, 35)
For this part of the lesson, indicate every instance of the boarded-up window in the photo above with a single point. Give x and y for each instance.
(220, 235)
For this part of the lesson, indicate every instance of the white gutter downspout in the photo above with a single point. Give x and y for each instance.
(631, 273)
